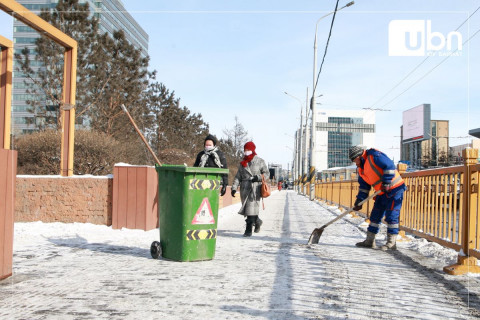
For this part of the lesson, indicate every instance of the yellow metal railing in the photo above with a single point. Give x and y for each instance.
(440, 205)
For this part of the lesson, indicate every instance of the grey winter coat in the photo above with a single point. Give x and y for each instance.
(249, 189)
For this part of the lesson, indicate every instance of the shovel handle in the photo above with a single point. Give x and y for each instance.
(140, 134)
(351, 209)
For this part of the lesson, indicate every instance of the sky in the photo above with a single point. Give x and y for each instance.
(238, 58)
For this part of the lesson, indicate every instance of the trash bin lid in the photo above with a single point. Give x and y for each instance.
(180, 168)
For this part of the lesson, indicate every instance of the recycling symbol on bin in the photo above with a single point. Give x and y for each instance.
(204, 214)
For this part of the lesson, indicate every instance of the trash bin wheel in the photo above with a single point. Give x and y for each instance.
(155, 249)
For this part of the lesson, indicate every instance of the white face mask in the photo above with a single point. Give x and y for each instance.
(209, 148)
(247, 153)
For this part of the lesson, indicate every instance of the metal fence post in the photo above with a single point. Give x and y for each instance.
(465, 262)
(402, 168)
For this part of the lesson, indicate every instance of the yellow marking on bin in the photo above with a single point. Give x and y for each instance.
(201, 234)
(204, 184)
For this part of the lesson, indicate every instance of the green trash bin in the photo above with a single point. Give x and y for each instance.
(187, 212)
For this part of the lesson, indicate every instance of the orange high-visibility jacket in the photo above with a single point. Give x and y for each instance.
(378, 168)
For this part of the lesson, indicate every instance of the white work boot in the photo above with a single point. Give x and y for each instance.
(391, 242)
(369, 242)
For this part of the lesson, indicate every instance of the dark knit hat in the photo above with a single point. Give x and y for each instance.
(212, 138)
(355, 151)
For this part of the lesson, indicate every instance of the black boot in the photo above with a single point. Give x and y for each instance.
(258, 224)
(248, 229)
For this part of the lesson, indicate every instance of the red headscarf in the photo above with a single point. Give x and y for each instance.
(246, 159)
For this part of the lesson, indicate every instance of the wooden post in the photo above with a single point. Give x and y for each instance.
(8, 172)
(465, 262)
(68, 111)
(69, 76)
(6, 67)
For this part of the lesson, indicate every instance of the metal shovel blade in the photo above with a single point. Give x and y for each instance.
(317, 233)
(315, 236)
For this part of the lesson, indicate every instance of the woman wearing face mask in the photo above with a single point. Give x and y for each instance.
(249, 178)
(212, 157)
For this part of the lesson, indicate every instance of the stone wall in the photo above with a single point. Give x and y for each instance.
(64, 199)
(72, 199)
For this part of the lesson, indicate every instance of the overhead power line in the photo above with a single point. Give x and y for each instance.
(326, 46)
(430, 71)
(418, 66)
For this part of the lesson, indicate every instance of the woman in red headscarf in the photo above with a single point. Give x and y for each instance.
(249, 179)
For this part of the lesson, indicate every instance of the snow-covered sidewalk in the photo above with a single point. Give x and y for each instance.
(85, 271)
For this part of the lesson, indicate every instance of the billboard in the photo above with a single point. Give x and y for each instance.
(416, 123)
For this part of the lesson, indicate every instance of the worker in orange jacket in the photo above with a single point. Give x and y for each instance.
(376, 170)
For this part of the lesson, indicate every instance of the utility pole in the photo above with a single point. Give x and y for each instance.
(313, 105)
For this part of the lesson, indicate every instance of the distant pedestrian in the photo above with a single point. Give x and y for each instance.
(376, 170)
(279, 185)
(249, 179)
(212, 157)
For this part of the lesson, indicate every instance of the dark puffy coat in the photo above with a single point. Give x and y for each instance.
(211, 163)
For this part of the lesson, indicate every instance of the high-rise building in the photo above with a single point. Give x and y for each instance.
(112, 16)
(336, 131)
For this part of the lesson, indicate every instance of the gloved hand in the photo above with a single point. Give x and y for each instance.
(356, 206)
(385, 187)
(222, 192)
(233, 193)
(255, 179)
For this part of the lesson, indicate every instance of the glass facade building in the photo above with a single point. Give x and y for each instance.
(336, 131)
(112, 16)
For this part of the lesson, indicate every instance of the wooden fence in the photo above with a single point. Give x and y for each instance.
(440, 205)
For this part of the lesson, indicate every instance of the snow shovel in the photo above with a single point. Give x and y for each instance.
(317, 233)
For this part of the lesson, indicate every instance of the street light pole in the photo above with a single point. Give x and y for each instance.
(313, 104)
(306, 144)
(299, 165)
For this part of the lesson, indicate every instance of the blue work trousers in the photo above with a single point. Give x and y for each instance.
(388, 205)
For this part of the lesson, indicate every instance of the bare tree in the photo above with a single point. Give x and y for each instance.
(237, 137)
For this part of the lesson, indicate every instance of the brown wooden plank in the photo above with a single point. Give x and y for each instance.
(115, 197)
(122, 196)
(9, 210)
(3, 92)
(152, 199)
(141, 198)
(131, 197)
(3, 213)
